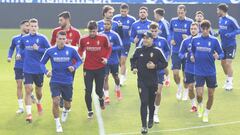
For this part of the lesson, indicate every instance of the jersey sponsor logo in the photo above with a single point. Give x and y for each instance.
(141, 31)
(180, 30)
(30, 48)
(93, 49)
(61, 59)
(222, 27)
(203, 49)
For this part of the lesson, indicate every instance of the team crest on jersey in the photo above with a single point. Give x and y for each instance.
(27, 41)
(148, 26)
(159, 44)
(226, 22)
(185, 25)
(138, 27)
(55, 53)
(110, 38)
(175, 25)
(198, 43)
(151, 54)
(128, 21)
(88, 43)
(37, 40)
(18, 41)
(70, 34)
(98, 42)
(209, 43)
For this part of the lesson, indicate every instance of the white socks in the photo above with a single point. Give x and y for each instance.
(193, 101)
(29, 109)
(206, 112)
(117, 87)
(179, 88)
(57, 120)
(20, 103)
(157, 107)
(106, 93)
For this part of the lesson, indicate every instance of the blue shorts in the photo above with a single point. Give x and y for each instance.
(65, 90)
(125, 50)
(36, 78)
(18, 74)
(111, 68)
(189, 78)
(160, 78)
(177, 63)
(229, 52)
(211, 81)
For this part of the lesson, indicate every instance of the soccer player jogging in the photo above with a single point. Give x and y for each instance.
(18, 67)
(199, 17)
(228, 29)
(126, 22)
(179, 30)
(98, 49)
(33, 45)
(61, 82)
(205, 50)
(185, 53)
(146, 61)
(113, 61)
(73, 35)
(140, 26)
(163, 26)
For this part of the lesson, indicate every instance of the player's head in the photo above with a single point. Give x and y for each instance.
(147, 39)
(158, 13)
(194, 29)
(24, 26)
(107, 25)
(205, 26)
(64, 18)
(33, 23)
(143, 13)
(124, 9)
(92, 28)
(222, 9)
(199, 16)
(181, 11)
(107, 11)
(154, 29)
(61, 38)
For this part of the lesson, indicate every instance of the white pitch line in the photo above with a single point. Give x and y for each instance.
(98, 113)
(181, 129)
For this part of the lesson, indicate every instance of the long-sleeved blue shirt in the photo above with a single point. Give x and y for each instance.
(61, 59)
(228, 29)
(177, 29)
(185, 53)
(15, 45)
(32, 57)
(117, 45)
(164, 28)
(126, 22)
(203, 49)
(138, 28)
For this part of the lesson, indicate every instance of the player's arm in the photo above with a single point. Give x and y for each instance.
(45, 44)
(20, 50)
(81, 48)
(133, 59)
(43, 62)
(162, 61)
(192, 51)
(118, 44)
(133, 34)
(167, 50)
(183, 50)
(53, 39)
(78, 36)
(107, 47)
(11, 50)
(77, 58)
(219, 51)
(171, 35)
(120, 29)
(236, 30)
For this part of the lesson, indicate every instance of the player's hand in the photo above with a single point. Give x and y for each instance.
(71, 68)
(18, 57)
(192, 59)
(216, 34)
(172, 42)
(35, 47)
(136, 39)
(9, 60)
(104, 60)
(184, 36)
(216, 56)
(135, 71)
(49, 74)
(151, 65)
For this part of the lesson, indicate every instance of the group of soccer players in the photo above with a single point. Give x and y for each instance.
(192, 47)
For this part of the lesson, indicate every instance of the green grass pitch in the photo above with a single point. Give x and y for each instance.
(119, 117)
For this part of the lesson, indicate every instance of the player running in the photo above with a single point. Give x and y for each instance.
(61, 82)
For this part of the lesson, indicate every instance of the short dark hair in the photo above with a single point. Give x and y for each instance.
(24, 21)
(62, 32)
(223, 7)
(65, 15)
(205, 24)
(33, 20)
(182, 7)
(92, 25)
(194, 23)
(199, 12)
(106, 8)
(143, 8)
(124, 6)
(154, 25)
(159, 11)
(108, 20)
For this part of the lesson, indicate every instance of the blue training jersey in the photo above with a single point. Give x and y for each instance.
(61, 59)
(126, 22)
(177, 29)
(117, 45)
(185, 53)
(101, 26)
(16, 45)
(203, 49)
(32, 57)
(228, 25)
(138, 29)
(164, 28)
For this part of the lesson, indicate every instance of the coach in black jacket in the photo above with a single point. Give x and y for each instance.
(146, 61)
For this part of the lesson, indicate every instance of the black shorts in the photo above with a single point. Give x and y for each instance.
(65, 90)
(36, 78)
(229, 52)
(18, 74)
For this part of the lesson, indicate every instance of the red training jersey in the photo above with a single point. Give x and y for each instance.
(96, 48)
(73, 36)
